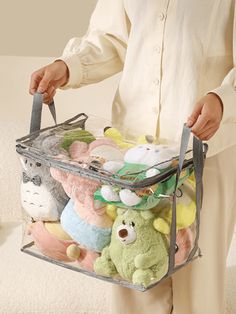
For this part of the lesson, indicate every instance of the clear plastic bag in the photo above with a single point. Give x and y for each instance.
(121, 210)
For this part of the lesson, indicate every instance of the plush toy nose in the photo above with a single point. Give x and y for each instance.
(123, 233)
(126, 234)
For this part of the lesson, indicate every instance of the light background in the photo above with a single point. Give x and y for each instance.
(32, 34)
(41, 28)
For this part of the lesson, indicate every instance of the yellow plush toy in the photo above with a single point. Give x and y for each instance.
(185, 217)
(116, 135)
(111, 211)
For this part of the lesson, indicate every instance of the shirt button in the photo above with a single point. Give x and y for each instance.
(157, 49)
(161, 16)
(156, 82)
(154, 110)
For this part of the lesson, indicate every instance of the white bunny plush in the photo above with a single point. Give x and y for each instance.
(146, 160)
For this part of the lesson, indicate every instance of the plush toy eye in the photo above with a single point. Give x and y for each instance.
(26, 161)
(148, 148)
(38, 164)
(176, 248)
(123, 222)
(95, 162)
(132, 224)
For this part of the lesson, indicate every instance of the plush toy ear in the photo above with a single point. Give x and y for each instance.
(120, 211)
(144, 139)
(111, 211)
(147, 214)
(102, 141)
(77, 149)
(161, 225)
(113, 166)
(58, 175)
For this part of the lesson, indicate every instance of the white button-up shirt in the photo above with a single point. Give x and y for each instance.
(171, 53)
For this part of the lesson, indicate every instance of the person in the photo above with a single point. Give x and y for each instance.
(178, 65)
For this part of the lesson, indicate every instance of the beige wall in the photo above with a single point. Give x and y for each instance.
(41, 28)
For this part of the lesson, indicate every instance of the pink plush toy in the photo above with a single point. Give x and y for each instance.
(53, 242)
(87, 155)
(84, 219)
(184, 244)
(105, 149)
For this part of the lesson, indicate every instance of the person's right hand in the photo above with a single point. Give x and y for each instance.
(47, 79)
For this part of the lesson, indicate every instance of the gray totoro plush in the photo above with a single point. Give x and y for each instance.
(42, 197)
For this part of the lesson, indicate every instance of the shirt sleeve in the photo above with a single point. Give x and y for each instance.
(227, 90)
(101, 52)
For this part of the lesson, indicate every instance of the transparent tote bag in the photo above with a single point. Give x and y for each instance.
(127, 212)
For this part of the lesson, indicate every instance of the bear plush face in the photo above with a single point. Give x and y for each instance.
(150, 155)
(126, 232)
(130, 227)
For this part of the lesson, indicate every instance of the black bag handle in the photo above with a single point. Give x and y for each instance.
(36, 114)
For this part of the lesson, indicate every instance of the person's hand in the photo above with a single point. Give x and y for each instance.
(47, 79)
(206, 117)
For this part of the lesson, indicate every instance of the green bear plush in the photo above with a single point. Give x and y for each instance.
(137, 252)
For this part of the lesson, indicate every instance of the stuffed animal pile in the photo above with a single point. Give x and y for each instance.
(110, 230)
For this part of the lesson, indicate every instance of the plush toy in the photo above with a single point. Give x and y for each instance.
(185, 220)
(104, 148)
(185, 239)
(76, 135)
(116, 135)
(59, 143)
(84, 218)
(137, 252)
(42, 197)
(50, 239)
(140, 162)
(89, 228)
(185, 217)
(54, 242)
(89, 156)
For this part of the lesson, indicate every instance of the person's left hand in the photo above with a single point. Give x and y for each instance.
(206, 117)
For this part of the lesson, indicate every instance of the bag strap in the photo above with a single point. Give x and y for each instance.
(36, 113)
(198, 161)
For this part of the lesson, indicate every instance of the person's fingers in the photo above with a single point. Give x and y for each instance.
(45, 81)
(201, 125)
(195, 114)
(48, 98)
(48, 93)
(34, 81)
(208, 127)
(206, 135)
